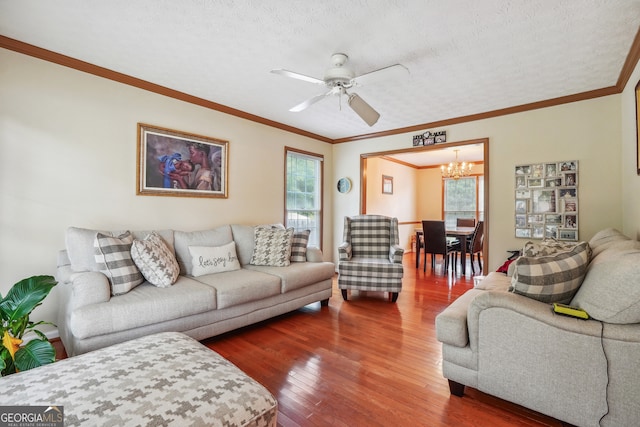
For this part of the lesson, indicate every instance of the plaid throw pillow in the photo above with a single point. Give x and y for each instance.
(299, 246)
(113, 257)
(554, 278)
(155, 260)
(273, 247)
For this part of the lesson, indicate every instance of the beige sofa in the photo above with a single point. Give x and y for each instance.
(584, 372)
(91, 317)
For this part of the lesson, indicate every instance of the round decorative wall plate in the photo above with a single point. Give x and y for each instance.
(344, 185)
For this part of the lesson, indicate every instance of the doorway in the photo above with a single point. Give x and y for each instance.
(421, 160)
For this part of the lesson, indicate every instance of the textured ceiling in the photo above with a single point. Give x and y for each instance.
(464, 56)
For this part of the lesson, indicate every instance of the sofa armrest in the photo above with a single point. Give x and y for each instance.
(344, 251)
(88, 287)
(395, 254)
(517, 306)
(451, 323)
(314, 254)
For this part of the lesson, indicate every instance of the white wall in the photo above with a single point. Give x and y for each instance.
(68, 144)
(587, 131)
(402, 203)
(630, 178)
(430, 194)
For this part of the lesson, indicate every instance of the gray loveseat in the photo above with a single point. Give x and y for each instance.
(91, 317)
(584, 372)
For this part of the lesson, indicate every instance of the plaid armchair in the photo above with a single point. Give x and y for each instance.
(370, 258)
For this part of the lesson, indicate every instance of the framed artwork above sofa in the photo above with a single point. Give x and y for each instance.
(174, 163)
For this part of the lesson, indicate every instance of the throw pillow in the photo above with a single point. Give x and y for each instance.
(554, 278)
(113, 257)
(299, 246)
(273, 247)
(213, 259)
(546, 247)
(155, 260)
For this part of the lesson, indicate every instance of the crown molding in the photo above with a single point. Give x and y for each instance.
(27, 49)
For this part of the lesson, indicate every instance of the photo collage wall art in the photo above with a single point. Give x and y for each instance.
(546, 200)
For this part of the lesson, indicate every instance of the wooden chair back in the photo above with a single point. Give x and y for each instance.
(466, 222)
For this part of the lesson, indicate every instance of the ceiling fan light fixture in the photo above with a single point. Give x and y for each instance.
(362, 109)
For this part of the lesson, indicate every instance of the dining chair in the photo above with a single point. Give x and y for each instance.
(474, 246)
(465, 222)
(436, 242)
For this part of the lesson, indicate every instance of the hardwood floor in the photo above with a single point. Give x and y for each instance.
(367, 362)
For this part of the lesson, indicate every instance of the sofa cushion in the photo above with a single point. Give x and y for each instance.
(244, 236)
(273, 247)
(183, 239)
(113, 258)
(241, 286)
(554, 278)
(156, 261)
(299, 246)
(298, 275)
(144, 305)
(80, 248)
(604, 239)
(213, 259)
(610, 291)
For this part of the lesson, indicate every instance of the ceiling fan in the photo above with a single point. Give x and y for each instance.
(339, 78)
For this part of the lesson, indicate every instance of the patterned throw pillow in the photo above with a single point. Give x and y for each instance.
(113, 257)
(213, 259)
(299, 246)
(546, 247)
(554, 278)
(273, 247)
(155, 260)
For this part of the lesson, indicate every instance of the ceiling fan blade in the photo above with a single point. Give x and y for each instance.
(298, 76)
(309, 102)
(396, 71)
(364, 110)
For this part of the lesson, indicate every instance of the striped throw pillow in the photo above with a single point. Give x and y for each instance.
(299, 246)
(554, 278)
(113, 257)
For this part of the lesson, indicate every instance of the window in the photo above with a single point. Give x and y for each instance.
(463, 198)
(303, 187)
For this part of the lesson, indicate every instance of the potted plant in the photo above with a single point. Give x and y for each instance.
(15, 308)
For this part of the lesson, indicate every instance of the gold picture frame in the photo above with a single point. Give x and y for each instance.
(175, 163)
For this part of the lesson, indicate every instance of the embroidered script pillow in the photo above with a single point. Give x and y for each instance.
(213, 259)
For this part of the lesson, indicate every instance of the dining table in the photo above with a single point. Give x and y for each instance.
(461, 233)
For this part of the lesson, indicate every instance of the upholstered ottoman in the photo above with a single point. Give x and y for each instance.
(166, 379)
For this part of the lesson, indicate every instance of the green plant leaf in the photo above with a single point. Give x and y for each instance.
(24, 296)
(6, 362)
(35, 353)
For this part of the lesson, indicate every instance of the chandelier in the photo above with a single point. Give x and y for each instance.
(455, 169)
